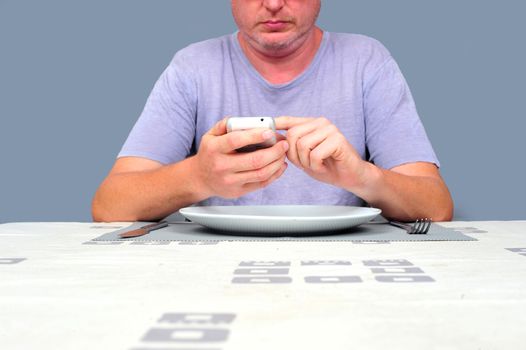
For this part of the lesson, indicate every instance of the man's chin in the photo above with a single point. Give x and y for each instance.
(277, 40)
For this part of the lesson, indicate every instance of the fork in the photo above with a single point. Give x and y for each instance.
(420, 227)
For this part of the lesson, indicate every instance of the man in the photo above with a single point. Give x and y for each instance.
(352, 131)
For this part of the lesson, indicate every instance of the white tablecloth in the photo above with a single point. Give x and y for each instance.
(60, 290)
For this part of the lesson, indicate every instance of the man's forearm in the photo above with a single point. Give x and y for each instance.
(147, 195)
(406, 197)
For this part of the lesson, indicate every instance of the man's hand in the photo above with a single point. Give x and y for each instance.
(405, 192)
(221, 171)
(321, 150)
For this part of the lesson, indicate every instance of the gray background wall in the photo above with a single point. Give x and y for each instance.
(74, 76)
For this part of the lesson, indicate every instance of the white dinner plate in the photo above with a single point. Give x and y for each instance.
(280, 218)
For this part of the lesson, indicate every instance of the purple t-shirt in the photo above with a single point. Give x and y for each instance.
(353, 81)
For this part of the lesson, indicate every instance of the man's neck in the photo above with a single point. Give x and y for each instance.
(283, 69)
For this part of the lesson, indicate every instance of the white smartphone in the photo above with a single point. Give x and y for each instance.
(245, 123)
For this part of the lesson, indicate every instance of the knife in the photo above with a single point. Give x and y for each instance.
(144, 229)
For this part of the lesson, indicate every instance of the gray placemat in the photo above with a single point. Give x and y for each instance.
(367, 232)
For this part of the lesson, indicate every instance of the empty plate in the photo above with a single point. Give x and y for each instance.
(280, 218)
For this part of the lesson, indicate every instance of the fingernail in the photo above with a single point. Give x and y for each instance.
(285, 146)
(267, 134)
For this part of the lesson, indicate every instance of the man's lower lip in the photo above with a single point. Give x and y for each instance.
(275, 25)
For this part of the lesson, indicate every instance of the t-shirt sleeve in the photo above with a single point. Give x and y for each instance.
(165, 129)
(394, 132)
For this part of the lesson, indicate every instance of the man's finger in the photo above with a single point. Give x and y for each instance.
(286, 122)
(280, 137)
(294, 135)
(260, 158)
(238, 139)
(307, 144)
(261, 175)
(253, 186)
(219, 128)
(324, 150)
